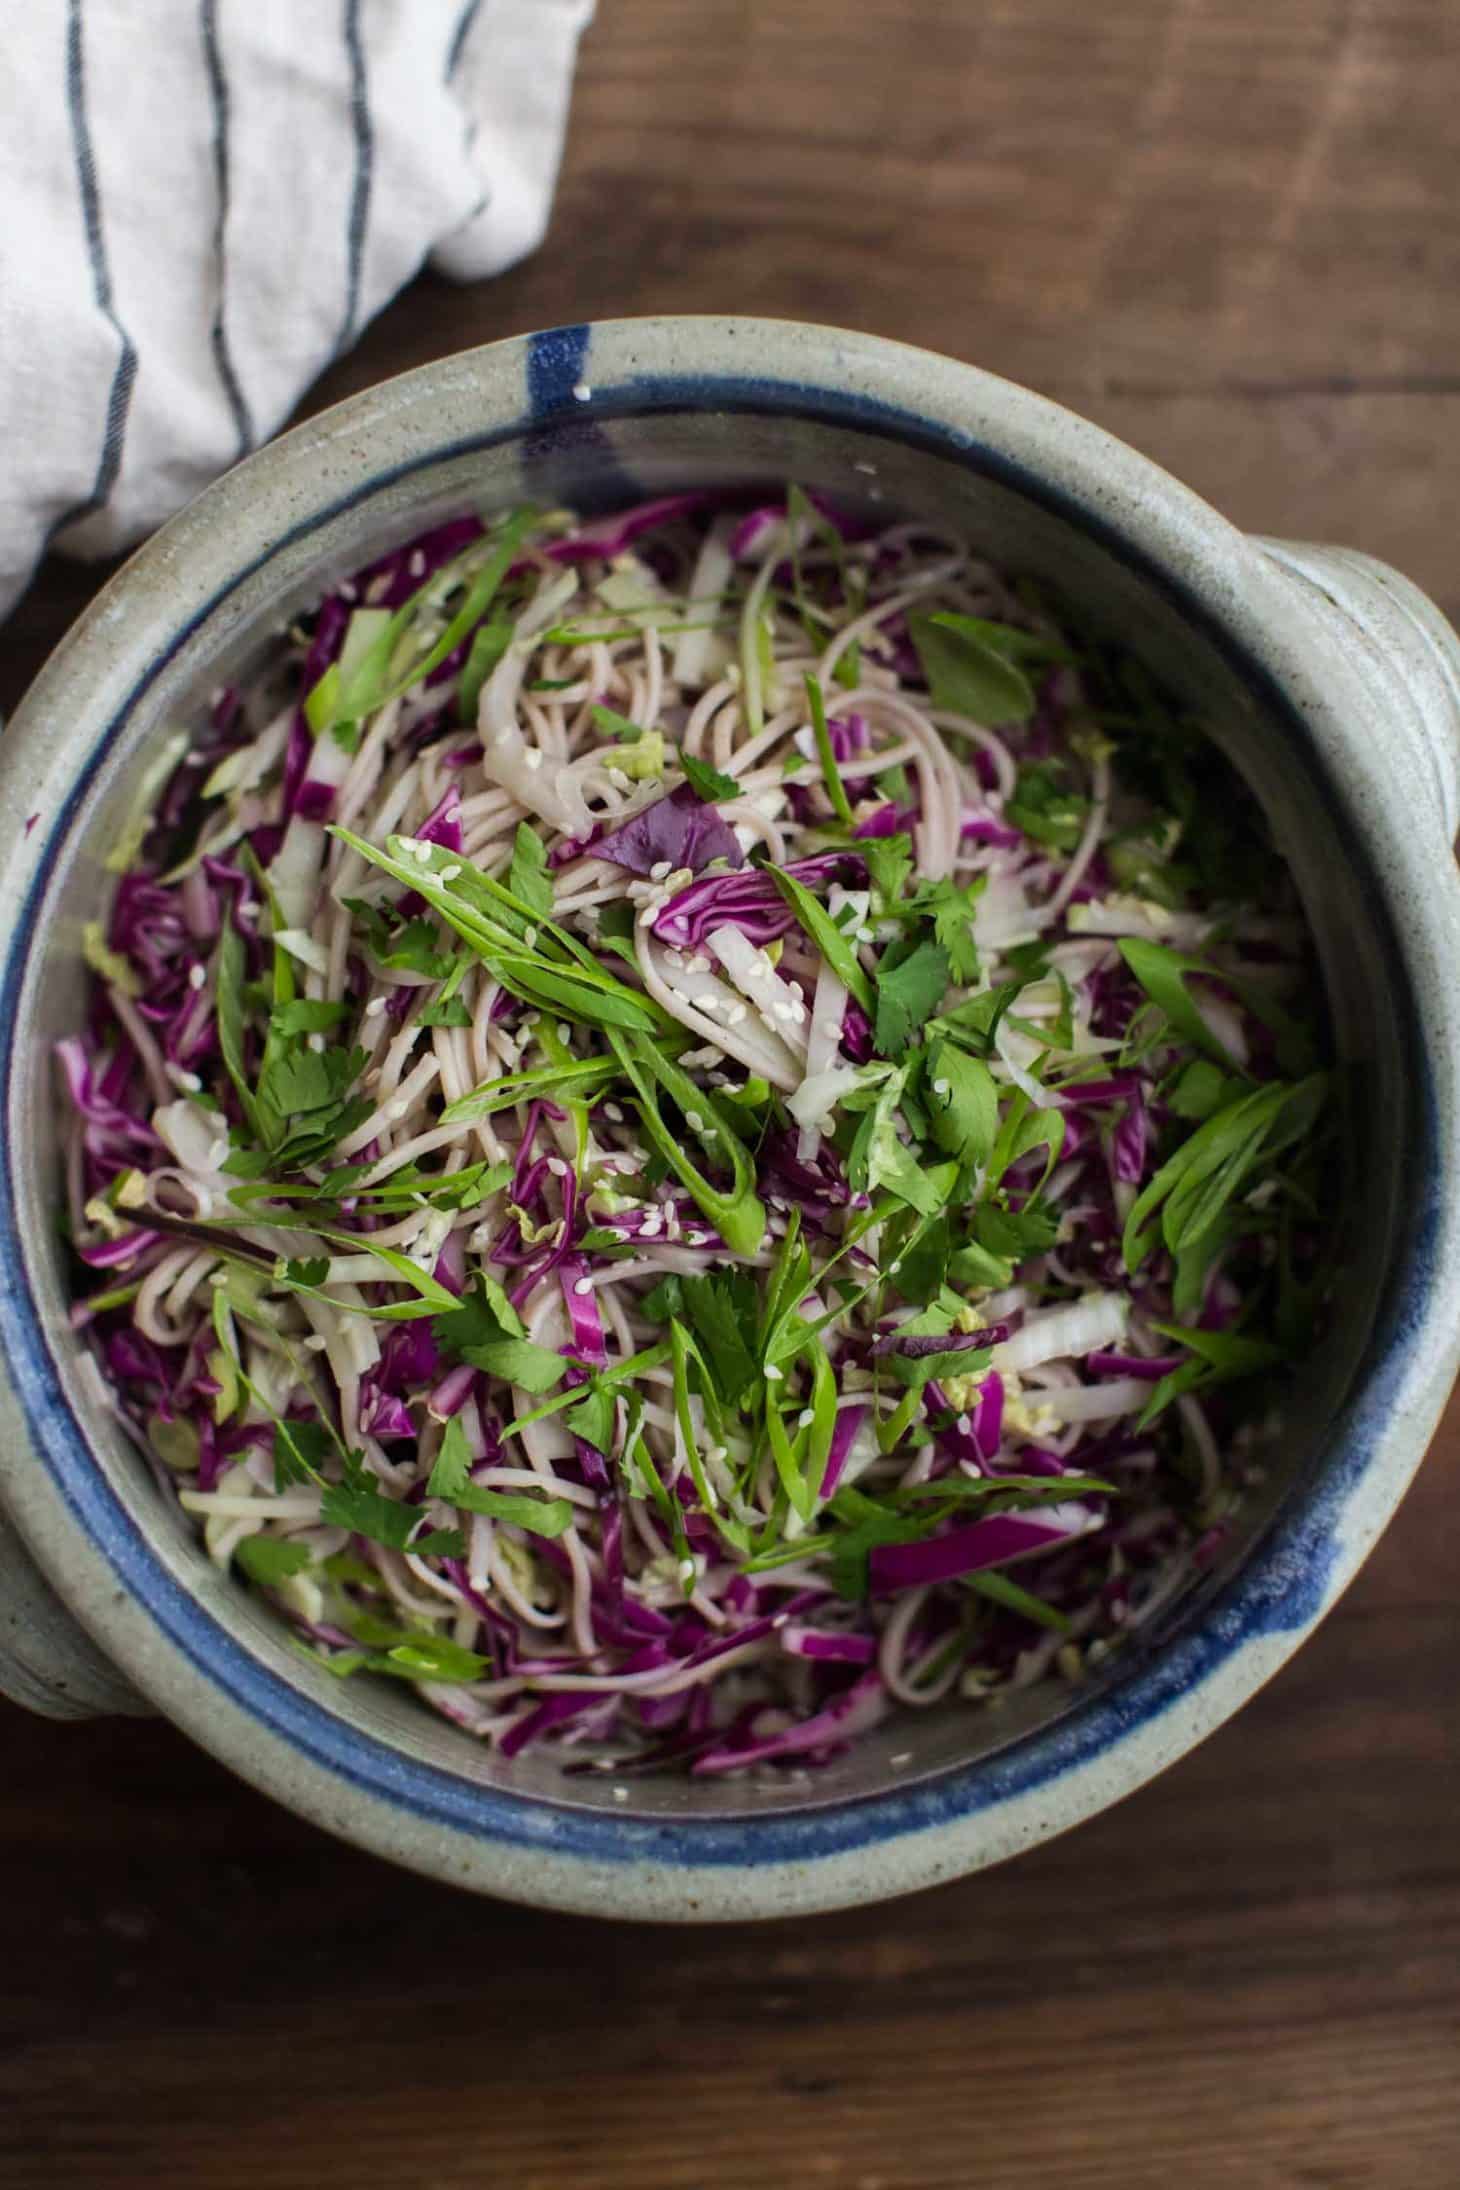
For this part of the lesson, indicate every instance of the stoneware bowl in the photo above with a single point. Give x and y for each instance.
(1335, 687)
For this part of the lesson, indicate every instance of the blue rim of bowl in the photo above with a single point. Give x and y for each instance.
(1283, 1583)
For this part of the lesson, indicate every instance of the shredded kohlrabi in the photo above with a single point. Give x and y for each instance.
(711, 1129)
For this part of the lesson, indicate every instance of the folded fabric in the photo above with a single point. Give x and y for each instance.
(206, 200)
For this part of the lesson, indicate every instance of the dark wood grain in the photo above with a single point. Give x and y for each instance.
(1229, 230)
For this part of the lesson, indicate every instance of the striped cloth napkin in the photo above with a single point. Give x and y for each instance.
(206, 200)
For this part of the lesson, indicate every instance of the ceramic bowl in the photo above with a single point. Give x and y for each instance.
(1335, 687)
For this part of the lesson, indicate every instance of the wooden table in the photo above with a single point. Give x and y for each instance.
(1229, 230)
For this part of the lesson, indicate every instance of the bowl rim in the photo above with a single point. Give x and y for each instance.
(858, 1848)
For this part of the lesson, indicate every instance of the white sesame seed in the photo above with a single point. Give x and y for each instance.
(903, 1757)
(894, 1266)
(617, 778)
(942, 1087)
(374, 1007)
(964, 1424)
(416, 567)
(197, 975)
(773, 1374)
(582, 393)
(647, 912)
(832, 1029)
(716, 1003)
(557, 1167)
(863, 935)
(659, 870)
(449, 874)
(314, 1344)
(696, 1239)
(532, 758)
(783, 1009)
(614, 1112)
(694, 1121)
(736, 1013)
(805, 1419)
(316, 1043)
(565, 1032)
(582, 1286)
(652, 1226)
(620, 1794)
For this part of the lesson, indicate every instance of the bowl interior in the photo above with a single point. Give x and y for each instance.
(589, 465)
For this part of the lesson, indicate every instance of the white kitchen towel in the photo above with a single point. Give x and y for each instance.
(202, 202)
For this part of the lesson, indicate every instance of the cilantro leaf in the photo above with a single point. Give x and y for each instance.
(950, 909)
(385, 1520)
(706, 782)
(889, 863)
(528, 877)
(664, 1299)
(721, 1311)
(963, 1103)
(486, 1331)
(451, 1481)
(965, 674)
(1046, 808)
(300, 1452)
(907, 992)
(269, 1560)
(616, 726)
(305, 1015)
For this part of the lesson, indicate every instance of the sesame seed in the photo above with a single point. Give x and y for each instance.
(582, 393)
(736, 1013)
(716, 1003)
(197, 975)
(832, 1029)
(529, 937)
(620, 1794)
(773, 1374)
(375, 1005)
(314, 1344)
(694, 1121)
(532, 758)
(699, 963)
(618, 779)
(659, 870)
(805, 1419)
(557, 1167)
(964, 1424)
(582, 1286)
(863, 935)
(894, 1266)
(942, 1087)
(416, 567)
(565, 1032)
(449, 874)
(614, 1112)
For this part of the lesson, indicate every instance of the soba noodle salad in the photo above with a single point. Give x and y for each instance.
(696, 1128)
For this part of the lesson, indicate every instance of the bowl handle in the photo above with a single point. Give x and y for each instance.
(1413, 652)
(46, 1662)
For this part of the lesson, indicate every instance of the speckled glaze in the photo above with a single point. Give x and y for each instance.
(1335, 686)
